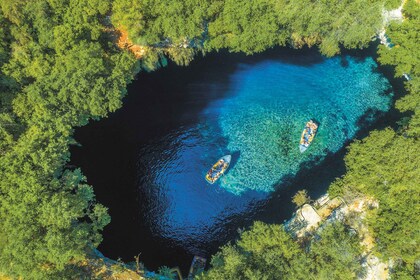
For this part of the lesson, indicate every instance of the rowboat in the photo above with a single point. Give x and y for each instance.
(218, 169)
(308, 135)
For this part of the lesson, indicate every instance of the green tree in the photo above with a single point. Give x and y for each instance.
(59, 68)
(263, 252)
(404, 55)
(268, 252)
(300, 198)
(244, 26)
(165, 22)
(385, 166)
(337, 254)
(248, 26)
(58, 71)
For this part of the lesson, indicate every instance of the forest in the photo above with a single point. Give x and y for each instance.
(60, 68)
(58, 71)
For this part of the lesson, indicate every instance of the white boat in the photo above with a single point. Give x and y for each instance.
(218, 169)
(308, 135)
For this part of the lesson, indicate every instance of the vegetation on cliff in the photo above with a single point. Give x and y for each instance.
(269, 252)
(60, 68)
(386, 164)
(249, 26)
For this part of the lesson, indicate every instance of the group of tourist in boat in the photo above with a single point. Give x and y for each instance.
(219, 168)
(308, 135)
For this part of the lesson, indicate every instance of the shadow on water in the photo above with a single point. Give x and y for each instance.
(317, 121)
(302, 57)
(235, 158)
(158, 104)
(344, 61)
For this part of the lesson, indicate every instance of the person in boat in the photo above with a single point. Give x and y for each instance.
(211, 174)
(217, 168)
(312, 125)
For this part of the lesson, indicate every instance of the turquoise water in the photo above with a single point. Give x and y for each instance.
(256, 114)
(148, 160)
(269, 104)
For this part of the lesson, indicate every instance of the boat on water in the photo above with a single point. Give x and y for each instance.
(218, 169)
(197, 266)
(308, 135)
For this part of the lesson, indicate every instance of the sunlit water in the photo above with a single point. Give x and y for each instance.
(272, 101)
(259, 122)
(178, 122)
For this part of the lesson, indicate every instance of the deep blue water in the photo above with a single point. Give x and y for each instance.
(148, 160)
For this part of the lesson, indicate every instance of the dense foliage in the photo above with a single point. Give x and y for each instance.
(251, 26)
(268, 252)
(60, 68)
(57, 71)
(386, 165)
(405, 56)
(152, 22)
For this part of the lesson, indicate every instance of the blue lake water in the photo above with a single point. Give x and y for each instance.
(148, 161)
(269, 104)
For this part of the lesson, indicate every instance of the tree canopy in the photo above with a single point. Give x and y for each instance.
(269, 252)
(252, 26)
(60, 68)
(385, 165)
(58, 71)
(405, 56)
